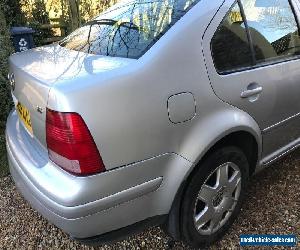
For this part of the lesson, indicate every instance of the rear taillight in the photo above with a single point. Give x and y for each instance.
(71, 145)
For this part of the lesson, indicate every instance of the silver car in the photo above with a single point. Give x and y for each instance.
(156, 112)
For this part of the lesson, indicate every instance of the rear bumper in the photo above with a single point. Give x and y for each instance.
(87, 206)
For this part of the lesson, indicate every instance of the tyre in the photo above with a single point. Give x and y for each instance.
(214, 196)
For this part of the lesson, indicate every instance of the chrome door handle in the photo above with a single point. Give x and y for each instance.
(251, 92)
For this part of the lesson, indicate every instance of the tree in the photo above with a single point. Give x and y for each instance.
(13, 13)
(5, 99)
(74, 14)
(5, 51)
(39, 16)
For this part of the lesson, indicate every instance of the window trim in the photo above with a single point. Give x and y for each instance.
(249, 37)
(255, 64)
(291, 2)
(259, 65)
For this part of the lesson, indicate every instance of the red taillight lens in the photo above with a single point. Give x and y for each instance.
(70, 144)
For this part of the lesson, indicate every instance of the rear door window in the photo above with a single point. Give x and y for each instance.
(230, 45)
(273, 28)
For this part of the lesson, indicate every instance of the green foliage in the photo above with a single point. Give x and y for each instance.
(5, 99)
(40, 34)
(40, 16)
(3, 159)
(12, 12)
(5, 51)
(89, 11)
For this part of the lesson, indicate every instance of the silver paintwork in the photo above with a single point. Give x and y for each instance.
(125, 105)
(86, 206)
(276, 107)
(220, 199)
(182, 107)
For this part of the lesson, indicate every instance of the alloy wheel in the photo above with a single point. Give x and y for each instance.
(217, 198)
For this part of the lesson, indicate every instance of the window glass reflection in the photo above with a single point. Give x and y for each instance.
(273, 28)
(129, 28)
(230, 45)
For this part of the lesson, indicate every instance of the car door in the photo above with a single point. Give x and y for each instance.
(252, 52)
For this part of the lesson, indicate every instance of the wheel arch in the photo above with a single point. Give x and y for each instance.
(233, 137)
(237, 138)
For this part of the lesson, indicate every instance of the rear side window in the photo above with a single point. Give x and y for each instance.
(273, 29)
(230, 45)
(129, 28)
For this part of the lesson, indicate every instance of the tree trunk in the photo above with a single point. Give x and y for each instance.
(74, 14)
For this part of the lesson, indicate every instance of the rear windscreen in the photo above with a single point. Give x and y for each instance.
(129, 28)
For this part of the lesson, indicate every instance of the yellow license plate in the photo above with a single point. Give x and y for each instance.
(24, 115)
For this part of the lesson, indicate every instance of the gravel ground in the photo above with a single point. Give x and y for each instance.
(272, 206)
